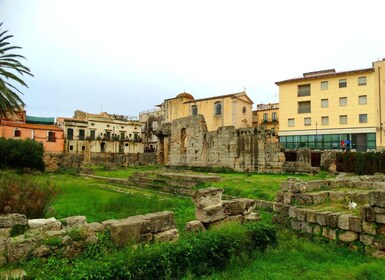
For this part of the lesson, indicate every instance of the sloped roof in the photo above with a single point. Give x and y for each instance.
(232, 95)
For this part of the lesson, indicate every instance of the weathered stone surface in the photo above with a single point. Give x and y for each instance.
(311, 216)
(45, 224)
(332, 219)
(335, 196)
(329, 233)
(74, 221)
(293, 212)
(380, 218)
(381, 229)
(306, 227)
(194, 226)
(379, 254)
(42, 251)
(379, 210)
(303, 199)
(377, 198)
(295, 224)
(281, 208)
(236, 218)
(367, 239)
(328, 161)
(355, 224)
(92, 239)
(367, 213)
(210, 214)
(19, 249)
(94, 227)
(160, 221)
(238, 206)
(107, 223)
(379, 243)
(348, 236)
(10, 220)
(12, 274)
(317, 230)
(343, 221)
(207, 197)
(171, 235)
(301, 214)
(262, 204)
(251, 217)
(321, 217)
(369, 227)
(129, 231)
(287, 198)
(279, 197)
(321, 197)
(5, 232)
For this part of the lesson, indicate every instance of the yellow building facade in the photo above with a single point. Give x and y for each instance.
(267, 115)
(225, 110)
(334, 110)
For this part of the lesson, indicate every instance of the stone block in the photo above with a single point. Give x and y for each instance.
(301, 214)
(320, 198)
(45, 224)
(348, 236)
(355, 224)
(160, 221)
(42, 251)
(19, 249)
(238, 206)
(252, 217)
(380, 229)
(377, 198)
(207, 197)
(317, 230)
(236, 218)
(94, 227)
(379, 243)
(264, 204)
(311, 216)
(369, 227)
(210, 214)
(171, 235)
(306, 227)
(10, 220)
(329, 233)
(332, 220)
(343, 221)
(194, 226)
(5, 232)
(360, 198)
(293, 212)
(287, 197)
(74, 221)
(367, 213)
(107, 223)
(303, 199)
(3, 261)
(380, 218)
(295, 225)
(367, 239)
(379, 210)
(335, 196)
(128, 231)
(279, 197)
(321, 217)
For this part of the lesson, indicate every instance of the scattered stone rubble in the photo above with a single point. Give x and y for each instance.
(211, 209)
(364, 227)
(21, 238)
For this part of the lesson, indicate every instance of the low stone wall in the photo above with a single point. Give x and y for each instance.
(21, 238)
(211, 209)
(299, 206)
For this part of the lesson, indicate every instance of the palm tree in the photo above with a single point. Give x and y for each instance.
(10, 71)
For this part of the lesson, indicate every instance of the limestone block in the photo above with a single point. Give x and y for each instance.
(348, 236)
(295, 224)
(281, 208)
(379, 210)
(317, 230)
(74, 221)
(42, 251)
(379, 254)
(207, 197)
(379, 243)
(293, 212)
(264, 204)
(332, 219)
(128, 231)
(194, 226)
(306, 227)
(251, 217)
(160, 221)
(303, 199)
(2, 246)
(16, 273)
(367, 213)
(19, 249)
(377, 198)
(107, 223)
(3, 261)
(381, 229)
(343, 221)
(321, 197)
(355, 224)
(329, 233)
(311, 216)
(45, 224)
(321, 217)
(360, 198)
(369, 227)
(92, 239)
(287, 197)
(301, 214)
(94, 227)
(51, 233)
(210, 214)
(367, 239)
(236, 218)
(279, 197)
(238, 206)
(5, 232)
(10, 220)
(380, 218)
(171, 235)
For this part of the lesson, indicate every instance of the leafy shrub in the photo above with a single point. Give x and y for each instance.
(25, 195)
(361, 163)
(21, 154)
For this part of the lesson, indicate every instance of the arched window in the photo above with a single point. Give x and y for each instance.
(218, 108)
(194, 110)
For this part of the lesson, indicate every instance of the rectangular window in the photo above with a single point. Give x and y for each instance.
(81, 134)
(361, 81)
(363, 118)
(324, 103)
(108, 134)
(343, 119)
(343, 101)
(265, 117)
(70, 133)
(290, 122)
(122, 135)
(325, 120)
(362, 99)
(307, 121)
(155, 125)
(51, 136)
(17, 133)
(303, 90)
(324, 85)
(342, 83)
(274, 116)
(92, 134)
(304, 107)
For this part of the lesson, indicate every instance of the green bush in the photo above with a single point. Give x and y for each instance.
(21, 154)
(25, 195)
(361, 163)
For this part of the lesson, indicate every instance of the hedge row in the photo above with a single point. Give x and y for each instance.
(21, 154)
(366, 163)
(196, 255)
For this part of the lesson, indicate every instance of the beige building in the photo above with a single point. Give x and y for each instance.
(334, 110)
(225, 110)
(151, 120)
(102, 132)
(267, 115)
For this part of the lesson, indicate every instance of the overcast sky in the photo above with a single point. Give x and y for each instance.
(127, 56)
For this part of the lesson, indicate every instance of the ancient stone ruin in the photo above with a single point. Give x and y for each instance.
(322, 208)
(211, 209)
(21, 238)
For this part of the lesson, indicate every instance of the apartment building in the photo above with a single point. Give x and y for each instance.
(334, 110)
(267, 115)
